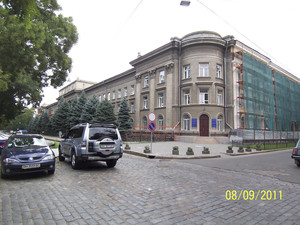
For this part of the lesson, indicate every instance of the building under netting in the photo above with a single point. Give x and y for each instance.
(267, 97)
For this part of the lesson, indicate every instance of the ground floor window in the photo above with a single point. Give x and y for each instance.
(186, 122)
(220, 123)
(160, 122)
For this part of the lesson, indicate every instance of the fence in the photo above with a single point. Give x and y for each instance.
(241, 137)
(165, 133)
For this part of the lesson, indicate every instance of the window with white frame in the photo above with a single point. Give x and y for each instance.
(219, 71)
(146, 81)
(145, 102)
(145, 122)
(100, 98)
(186, 97)
(186, 122)
(161, 76)
(161, 100)
(220, 97)
(125, 91)
(220, 123)
(132, 90)
(187, 71)
(119, 93)
(204, 72)
(132, 107)
(203, 96)
(108, 96)
(114, 95)
(160, 122)
(104, 96)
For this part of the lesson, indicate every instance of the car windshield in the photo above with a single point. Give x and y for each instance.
(23, 141)
(101, 132)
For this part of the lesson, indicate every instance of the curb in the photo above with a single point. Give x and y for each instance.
(256, 152)
(153, 156)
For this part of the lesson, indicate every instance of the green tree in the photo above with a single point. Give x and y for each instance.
(89, 110)
(73, 116)
(124, 118)
(105, 113)
(78, 109)
(44, 123)
(59, 120)
(31, 59)
(21, 121)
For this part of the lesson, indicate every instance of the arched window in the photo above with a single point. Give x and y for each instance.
(145, 122)
(160, 122)
(186, 122)
(220, 123)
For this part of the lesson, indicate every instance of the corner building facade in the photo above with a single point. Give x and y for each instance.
(198, 83)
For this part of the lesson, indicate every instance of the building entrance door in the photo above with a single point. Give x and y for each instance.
(204, 125)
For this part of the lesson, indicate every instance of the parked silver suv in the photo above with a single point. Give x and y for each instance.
(91, 142)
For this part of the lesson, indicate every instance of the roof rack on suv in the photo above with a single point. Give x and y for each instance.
(103, 125)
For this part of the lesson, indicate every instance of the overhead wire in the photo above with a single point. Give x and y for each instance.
(129, 17)
(225, 21)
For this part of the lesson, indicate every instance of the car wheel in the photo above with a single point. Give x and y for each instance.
(3, 175)
(297, 162)
(51, 172)
(111, 163)
(74, 161)
(60, 157)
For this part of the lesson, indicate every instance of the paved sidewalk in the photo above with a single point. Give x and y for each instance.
(163, 150)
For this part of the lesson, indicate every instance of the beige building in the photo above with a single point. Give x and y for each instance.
(196, 82)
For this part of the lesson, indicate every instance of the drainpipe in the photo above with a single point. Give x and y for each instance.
(225, 89)
(179, 83)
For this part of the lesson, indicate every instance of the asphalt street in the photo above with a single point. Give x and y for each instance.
(155, 191)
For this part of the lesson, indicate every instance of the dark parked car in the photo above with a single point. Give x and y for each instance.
(296, 154)
(26, 153)
(3, 139)
(91, 142)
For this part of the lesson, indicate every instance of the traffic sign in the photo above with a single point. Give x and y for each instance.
(152, 116)
(151, 126)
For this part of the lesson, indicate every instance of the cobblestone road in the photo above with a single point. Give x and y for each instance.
(144, 191)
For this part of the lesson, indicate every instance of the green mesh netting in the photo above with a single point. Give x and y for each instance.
(287, 96)
(259, 99)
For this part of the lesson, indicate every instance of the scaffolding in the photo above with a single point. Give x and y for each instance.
(266, 99)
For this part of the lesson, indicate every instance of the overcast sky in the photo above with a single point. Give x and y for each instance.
(112, 32)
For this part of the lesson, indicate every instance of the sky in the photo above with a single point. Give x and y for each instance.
(113, 32)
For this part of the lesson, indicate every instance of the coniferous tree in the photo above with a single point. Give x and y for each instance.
(73, 116)
(105, 113)
(59, 120)
(89, 110)
(44, 123)
(124, 118)
(78, 109)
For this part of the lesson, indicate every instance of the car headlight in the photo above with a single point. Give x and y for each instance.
(48, 157)
(10, 160)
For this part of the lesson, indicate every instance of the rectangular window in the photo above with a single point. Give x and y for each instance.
(108, 96)
(125, 92)
(203, 70)
(187, 71)
(100, 98)
(114, 95)
(104, 97)
(203, 96)
(162, 76)
(219, 71)
(119, 93)
(146, 81)
(132, 107)
(145, 102)
(161, 100)
(132, 90)
(186, 97)
(220, 97)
